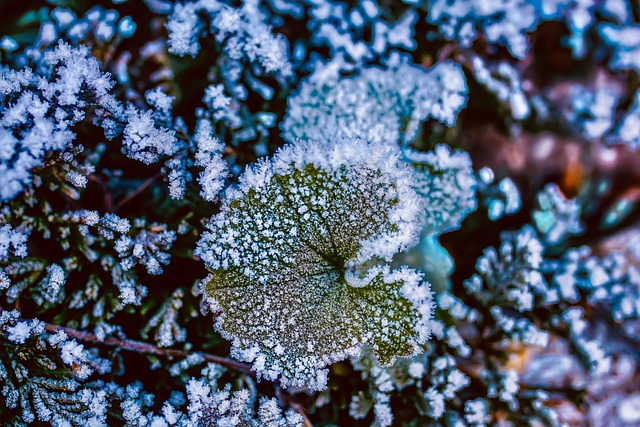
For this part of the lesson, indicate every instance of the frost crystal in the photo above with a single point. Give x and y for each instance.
(376, 104)
(287, 256)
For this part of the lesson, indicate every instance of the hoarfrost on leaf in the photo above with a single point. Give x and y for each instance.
(293, 260)
(446, 182)
(376, 104)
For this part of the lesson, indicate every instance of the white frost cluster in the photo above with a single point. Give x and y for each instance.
(287, 253)
(40, 109)
(375, 104)
(209, 157)
(144, 141)
(12, 242)
(220, 408)
(241, 31)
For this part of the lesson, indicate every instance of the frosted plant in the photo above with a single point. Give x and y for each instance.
(291, 258)
(241, 32)
(504, 22)
(208, 407)
(376, 104)
(592, 112)
(503, 80)
(30, 392)
(148, 247)
(557, 217)
(511, 275)
(628, 131)
(39, 110)
(625, 44)
(209, 157)
(446, 182)
(165, 322)
(41, 107)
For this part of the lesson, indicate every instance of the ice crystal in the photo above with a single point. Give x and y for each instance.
(298, 231)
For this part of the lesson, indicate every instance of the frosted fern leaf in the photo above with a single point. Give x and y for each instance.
(295, 257)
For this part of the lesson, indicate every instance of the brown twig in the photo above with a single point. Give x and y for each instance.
(146, 348)
(298, 408)
(137, 191)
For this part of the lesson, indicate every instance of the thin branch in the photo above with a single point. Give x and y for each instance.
(137, 191)
(146, 348)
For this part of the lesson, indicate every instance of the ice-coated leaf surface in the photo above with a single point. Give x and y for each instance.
(297, 255)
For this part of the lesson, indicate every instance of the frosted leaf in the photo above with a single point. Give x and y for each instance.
(287, 257)
(376, 104)
(447, 184)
